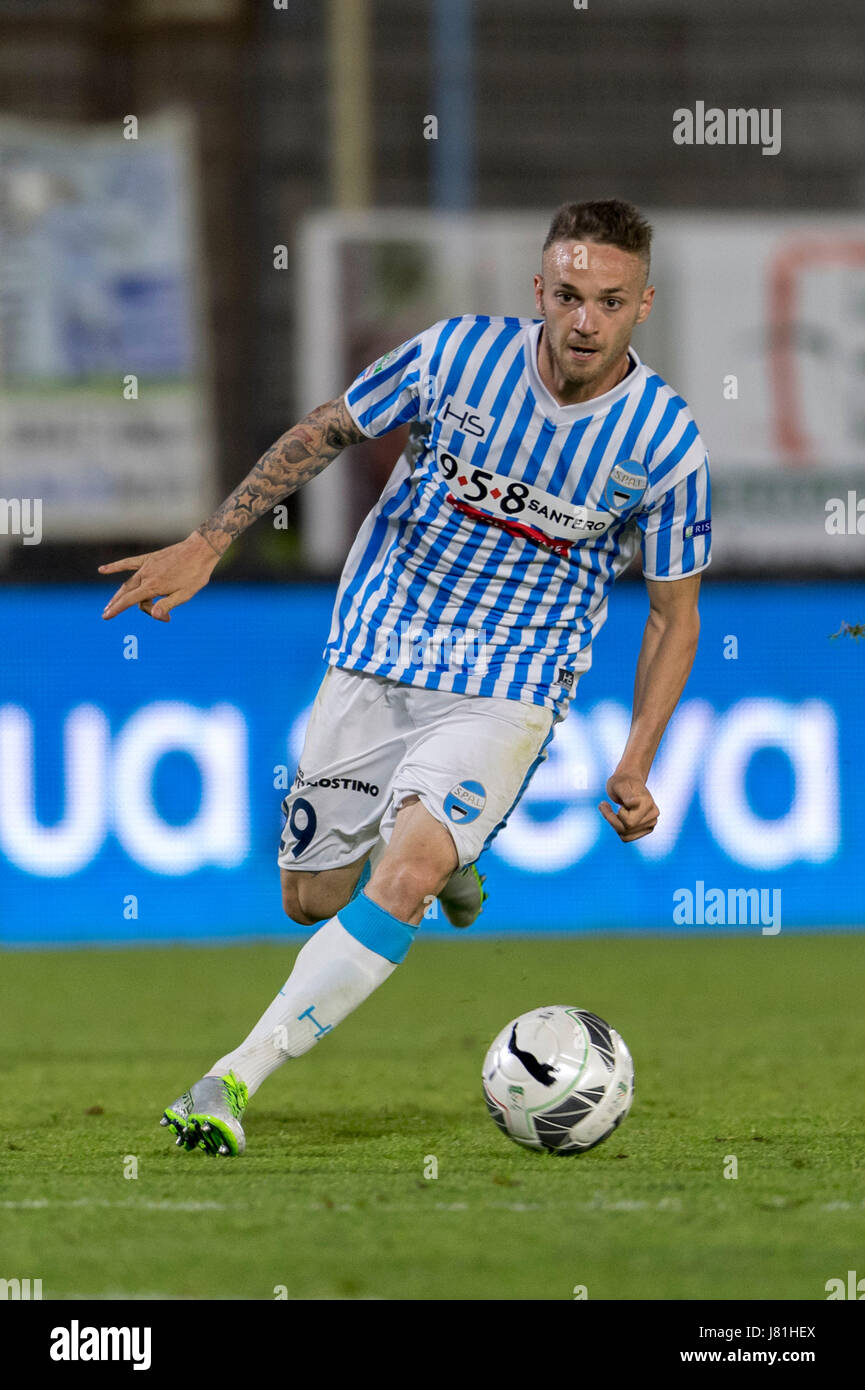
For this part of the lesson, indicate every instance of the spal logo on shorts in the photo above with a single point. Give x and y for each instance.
(465, 801)
(626, 485)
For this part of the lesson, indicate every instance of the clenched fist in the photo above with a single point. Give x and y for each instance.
(637, 814)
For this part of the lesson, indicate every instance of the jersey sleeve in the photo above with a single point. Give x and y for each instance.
(390, 392)
(676, 526)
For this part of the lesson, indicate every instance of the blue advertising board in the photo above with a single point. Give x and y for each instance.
(143, 766)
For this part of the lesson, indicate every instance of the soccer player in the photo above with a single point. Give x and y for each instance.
(542, 453)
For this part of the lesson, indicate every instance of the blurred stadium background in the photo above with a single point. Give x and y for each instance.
(212, 214)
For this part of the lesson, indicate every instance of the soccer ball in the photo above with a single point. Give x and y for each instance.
(559, 1079)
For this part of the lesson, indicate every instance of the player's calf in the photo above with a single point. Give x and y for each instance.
(308, 897)
(339, 967)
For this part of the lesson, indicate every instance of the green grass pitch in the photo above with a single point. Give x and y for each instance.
(745, 1047)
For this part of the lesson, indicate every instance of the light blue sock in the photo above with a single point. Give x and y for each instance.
(377, 929)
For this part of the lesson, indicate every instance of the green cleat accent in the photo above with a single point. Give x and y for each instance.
(208, 1116)
(236, 1094)
(219, 1102)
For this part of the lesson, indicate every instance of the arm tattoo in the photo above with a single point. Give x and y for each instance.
(297, 456)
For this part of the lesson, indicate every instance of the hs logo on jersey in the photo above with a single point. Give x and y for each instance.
(469, 422)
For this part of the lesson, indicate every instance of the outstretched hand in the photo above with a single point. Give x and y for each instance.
(637, 814)
(162, 579)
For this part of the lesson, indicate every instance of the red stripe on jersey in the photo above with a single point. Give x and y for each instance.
(513, 528)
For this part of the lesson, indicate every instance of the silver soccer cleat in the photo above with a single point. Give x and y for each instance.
(208, 1116)
(176, 1115)
(463, 896)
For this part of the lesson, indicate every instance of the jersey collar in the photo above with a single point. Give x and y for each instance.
(566, 414)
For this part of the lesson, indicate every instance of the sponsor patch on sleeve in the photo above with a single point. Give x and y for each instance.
(377, 366)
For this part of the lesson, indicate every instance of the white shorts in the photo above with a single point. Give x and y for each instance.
(371, 743)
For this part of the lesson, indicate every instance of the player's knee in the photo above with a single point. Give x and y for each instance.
(405, 888)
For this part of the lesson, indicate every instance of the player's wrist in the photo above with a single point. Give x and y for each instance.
(637, 770)
(210, 544)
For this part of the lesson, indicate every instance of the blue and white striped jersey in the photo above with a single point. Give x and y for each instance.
(486, 564)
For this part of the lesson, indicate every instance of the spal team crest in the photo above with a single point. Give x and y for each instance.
(465, 801)
(625, 486)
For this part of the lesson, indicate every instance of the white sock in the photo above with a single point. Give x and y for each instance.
(333, 973)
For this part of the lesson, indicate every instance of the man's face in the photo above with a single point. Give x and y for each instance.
(590, 296)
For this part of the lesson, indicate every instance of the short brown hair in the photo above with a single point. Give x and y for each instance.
(608, 221)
